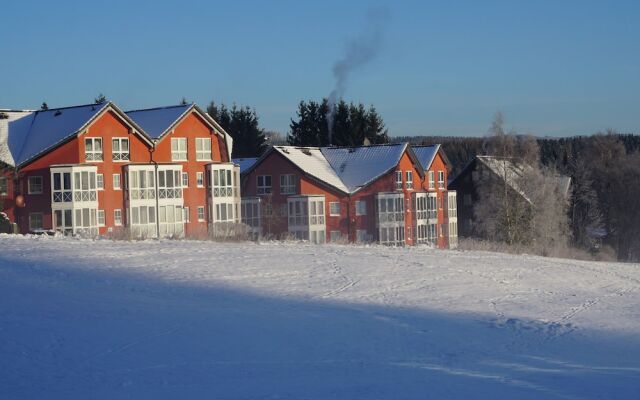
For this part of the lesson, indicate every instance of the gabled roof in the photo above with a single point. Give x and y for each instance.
(357, 167)
(40, 131)
(426, 154)
(245, 163)
(347, 169)
(7, 116)
(312, 161)
(157, 121)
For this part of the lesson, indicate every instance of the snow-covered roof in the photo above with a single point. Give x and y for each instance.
(37, 132)
(356, 167)
(426, 154)
(6, 117)
(156, 121)
(347, 169)
(245, 163)
(312, 161)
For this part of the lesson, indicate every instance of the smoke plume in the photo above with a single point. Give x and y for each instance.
(359, 51)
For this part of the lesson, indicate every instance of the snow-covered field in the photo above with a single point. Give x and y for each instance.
(185, 319)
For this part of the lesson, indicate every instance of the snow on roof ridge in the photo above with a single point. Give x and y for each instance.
(161, 107)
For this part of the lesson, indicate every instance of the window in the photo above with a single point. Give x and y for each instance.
(200, 179)
(100, 217)
(432, 183)
(441, 179)
(361, 235)
(35, 221)
(84, 184)
(432, 206)
(409, 179)
(203, 149)
(34, 185)
(185, 214)
(185, 179)
(222, 182)
(335, 236)
(361, 207)
(169, 184)
(93, 149)
(62, 187)
(334, 209)
(3, 186)
(116, 182)
(264, 184)
(120, 149)
(399, 180)
(201, 214)
(100, 182)
(117, 217)
(288, 184)
(178, 149)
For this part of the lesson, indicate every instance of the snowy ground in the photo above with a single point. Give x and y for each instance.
(152, 320)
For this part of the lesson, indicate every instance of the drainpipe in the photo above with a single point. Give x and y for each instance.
(349, 218)
(155, 184)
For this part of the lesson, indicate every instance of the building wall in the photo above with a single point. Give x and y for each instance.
(348, 222)
(106, 126)
(191, 127)
(467, 197)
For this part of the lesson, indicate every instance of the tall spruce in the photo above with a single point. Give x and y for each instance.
(242, 123)
(353, 125)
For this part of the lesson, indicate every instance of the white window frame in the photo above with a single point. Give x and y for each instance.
(93, 155)
(120, 155)
(432, 180)
(185, 214)
(41, 215)
(440, 179)
(32, 186)
(185, 179)
(264, 188)
(409, 183)
(179, 149)
(99, 181)
(101, 218)
(201, 216)
(117, 178)
(361, 207)
(398, 180)
(202, 152)
(287, 184)
(117, 217)
(200, 179)
(4, 186)
(332, 210)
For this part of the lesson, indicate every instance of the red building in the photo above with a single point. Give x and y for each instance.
(392, 194)
(95, 169)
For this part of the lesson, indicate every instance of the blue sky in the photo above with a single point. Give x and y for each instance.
(554, 68)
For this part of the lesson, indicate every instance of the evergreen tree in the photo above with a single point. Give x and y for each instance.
(100, 99)
(242, 124)
(353, 125)
(44, 106)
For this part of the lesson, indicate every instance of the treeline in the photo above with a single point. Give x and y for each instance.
(605, 172)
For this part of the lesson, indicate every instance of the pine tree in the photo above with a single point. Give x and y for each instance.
(242, 123)
(100, 99)
(44, 106)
